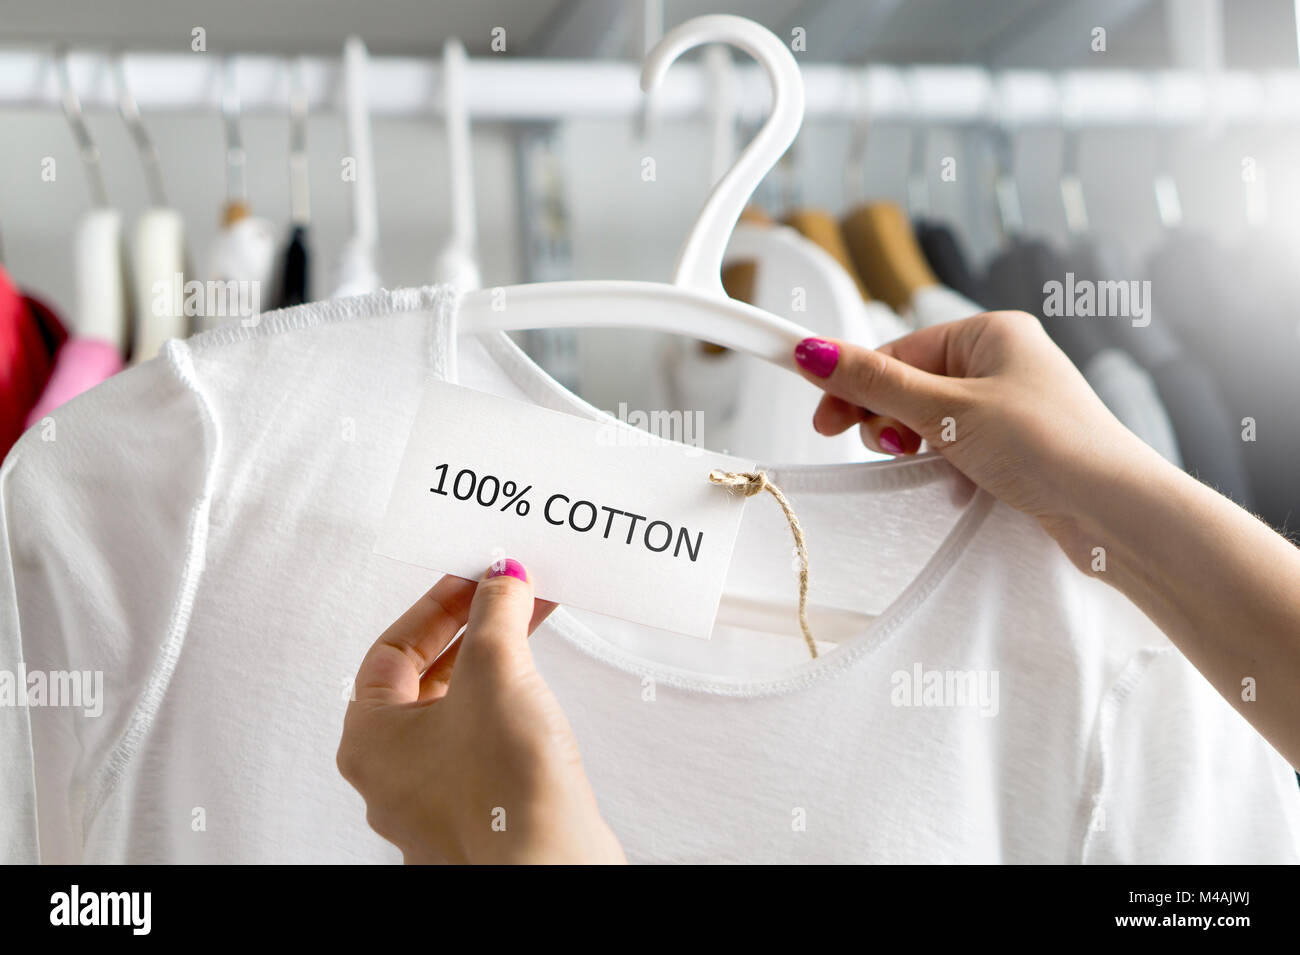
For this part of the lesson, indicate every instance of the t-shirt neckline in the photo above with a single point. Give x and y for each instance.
(441, 356)
(541, 388)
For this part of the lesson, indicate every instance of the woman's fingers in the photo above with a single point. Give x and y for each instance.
(885, 435)
(835, 415)
(895, 392)
(889, 436)
(391, 670)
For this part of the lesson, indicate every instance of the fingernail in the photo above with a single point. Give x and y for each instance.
(891, 441)
(508, 566)
(817, 356)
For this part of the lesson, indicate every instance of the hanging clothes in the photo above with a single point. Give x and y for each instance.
(102, 308)
(160, 267)
(242, 259)
(944, 253)
(1230, 317)
(26, 358)
(1208, 441)
(81, 364)
(1017, 279)
(820, 227)
(295, 271)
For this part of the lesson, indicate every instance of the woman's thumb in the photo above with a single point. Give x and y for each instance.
(495, 645)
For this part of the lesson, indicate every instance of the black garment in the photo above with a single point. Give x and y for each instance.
(943, 251)
(1017, 278)
(294, 274)
(1234, 309)
(1209, 440)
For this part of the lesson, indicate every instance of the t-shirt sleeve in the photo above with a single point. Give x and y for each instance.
(102, 507)
(1180, 777)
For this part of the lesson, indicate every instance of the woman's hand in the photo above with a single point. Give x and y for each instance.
(998, 399)
(995, 396)
(479, 767)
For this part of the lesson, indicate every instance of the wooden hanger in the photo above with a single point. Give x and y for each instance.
(819, 226)
(886, 254)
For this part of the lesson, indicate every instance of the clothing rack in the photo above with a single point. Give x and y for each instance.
(532, 90)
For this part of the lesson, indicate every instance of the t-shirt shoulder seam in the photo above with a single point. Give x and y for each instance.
(177, 357)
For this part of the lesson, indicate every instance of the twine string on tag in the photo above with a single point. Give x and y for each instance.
(750, 483)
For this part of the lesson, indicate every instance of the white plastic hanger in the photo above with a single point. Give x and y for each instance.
(695, 303)
(457, 263)
(299, 178)
(158, 255)
(102, 307)
(356, 273)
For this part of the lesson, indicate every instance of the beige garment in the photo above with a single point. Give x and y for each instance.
(885, 251)
(820, 227)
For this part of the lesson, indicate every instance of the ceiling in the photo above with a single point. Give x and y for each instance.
(1005, 33)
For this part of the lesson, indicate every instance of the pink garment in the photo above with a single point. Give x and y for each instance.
(79, 365)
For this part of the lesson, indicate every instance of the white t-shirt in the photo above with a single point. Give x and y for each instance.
(200, 529)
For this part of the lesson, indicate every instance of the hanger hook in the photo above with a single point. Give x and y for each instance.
(464, 227)
(855, 161)
(724, 106)
(365, 215)
(918, 145)
(85, 144)
(236, 159)
(699, 262)
(144, 144)
(1071, 185)
(299, 182)
(1006, 190)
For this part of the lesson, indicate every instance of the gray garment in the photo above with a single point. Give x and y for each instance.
(1132, 396)
(1209, 438)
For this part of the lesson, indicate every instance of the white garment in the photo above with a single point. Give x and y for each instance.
(159, 261)
(936, 304)
(1131, 395)
(202, 533)
(102, 303)
(355, 273)
(456, 267)
(242, 252)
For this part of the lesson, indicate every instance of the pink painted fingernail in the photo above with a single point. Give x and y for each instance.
(509, 567)
(891, 441)
(817, 356)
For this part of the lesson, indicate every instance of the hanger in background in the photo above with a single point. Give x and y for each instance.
(158, 254)
(356, 273)
(102, 305)
(457, 263)
(295, 267)
(820, 227)
(244, 249)
(886, 254)
(694, 304)
(881, 243)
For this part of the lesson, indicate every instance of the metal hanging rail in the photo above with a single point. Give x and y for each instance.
(521, 90)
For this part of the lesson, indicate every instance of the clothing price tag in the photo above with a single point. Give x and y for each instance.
(604, 516)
